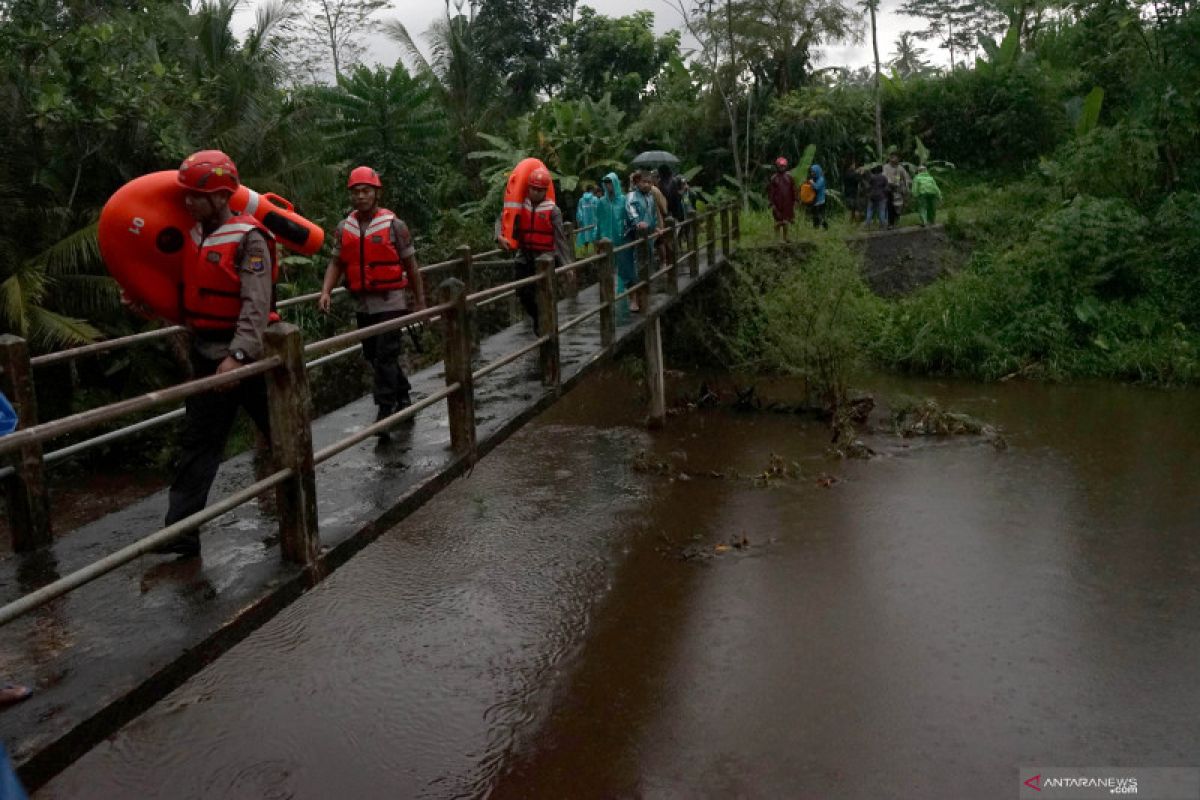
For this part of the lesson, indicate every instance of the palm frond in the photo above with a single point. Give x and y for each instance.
(73, 253)
(50, 330)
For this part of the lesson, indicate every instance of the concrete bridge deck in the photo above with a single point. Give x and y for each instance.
(102, 654)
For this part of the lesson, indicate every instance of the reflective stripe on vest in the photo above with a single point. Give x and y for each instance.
(212, 282)
(537, 227)
(372, 262)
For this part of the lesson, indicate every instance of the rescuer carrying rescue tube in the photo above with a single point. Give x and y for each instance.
(538, 230)
(228, 297)
(374, 253)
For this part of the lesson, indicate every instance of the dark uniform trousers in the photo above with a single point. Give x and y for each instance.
(207, 421)
(525, 267)
(383, 352)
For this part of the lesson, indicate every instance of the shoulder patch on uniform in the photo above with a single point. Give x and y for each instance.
(214, 256)
(256, 264)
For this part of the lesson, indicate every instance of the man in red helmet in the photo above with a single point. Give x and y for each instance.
(228, 294)
(538, 231)
(781, 191)
(373, 251)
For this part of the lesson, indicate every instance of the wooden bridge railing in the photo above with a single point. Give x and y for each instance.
(286, 372)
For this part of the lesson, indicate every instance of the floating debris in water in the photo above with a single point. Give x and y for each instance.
(927, 418)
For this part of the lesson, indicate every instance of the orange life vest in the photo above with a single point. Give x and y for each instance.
(537, 227)
(372, 262)
(212, 282)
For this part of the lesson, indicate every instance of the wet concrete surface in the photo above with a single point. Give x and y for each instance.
(941, 614)
(102, 654)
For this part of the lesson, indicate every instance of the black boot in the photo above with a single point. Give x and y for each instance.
(403, 402)
(187, 545)
(383, 413)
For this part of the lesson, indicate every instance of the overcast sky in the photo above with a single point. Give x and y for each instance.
(417, 15)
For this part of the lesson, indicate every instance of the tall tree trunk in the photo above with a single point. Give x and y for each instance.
(731, 107)
(878, 100)
(950, 39)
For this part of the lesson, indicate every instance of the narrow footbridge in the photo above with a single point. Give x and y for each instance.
(103, 632)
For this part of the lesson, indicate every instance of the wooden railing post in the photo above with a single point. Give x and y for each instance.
(571, 279)
(466, 274)
(608, 291)
(725, 231)
(672, 236)
(290, 410)
(737, 225)
(694, 244)
(548, 320)
(457, 349)
(645, 268)
(710, 228)
(654, 374)
(24, 490)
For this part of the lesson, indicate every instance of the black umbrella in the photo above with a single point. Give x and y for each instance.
(655, 158)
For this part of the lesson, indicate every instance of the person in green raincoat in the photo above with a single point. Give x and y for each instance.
(610, 224)
(926, 190)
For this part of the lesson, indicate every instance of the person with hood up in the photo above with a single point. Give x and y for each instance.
(781, 191)
(816, 177)
(927, 192)
(585, 218)
(610, 224)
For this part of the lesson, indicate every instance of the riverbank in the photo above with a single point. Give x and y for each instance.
(1052, 286)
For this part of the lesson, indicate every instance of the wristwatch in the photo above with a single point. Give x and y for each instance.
(239, 355)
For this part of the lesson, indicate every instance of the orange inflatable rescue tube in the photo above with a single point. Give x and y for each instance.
(514, 198)
(145, 236)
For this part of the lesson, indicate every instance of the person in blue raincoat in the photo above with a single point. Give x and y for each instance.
(610, 224)
(585, 217)
(816, 176)
(641, 220)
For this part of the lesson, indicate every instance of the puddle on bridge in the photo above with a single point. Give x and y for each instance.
(942, 614)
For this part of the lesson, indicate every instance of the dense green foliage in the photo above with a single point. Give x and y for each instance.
(1073, 137)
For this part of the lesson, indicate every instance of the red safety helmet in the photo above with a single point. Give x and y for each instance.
(781, 162)
(363, 176)
(209, 171)
(539, 178)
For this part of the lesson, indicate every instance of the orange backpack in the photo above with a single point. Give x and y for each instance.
(808, 195)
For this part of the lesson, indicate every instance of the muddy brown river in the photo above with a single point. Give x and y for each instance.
(562, 625)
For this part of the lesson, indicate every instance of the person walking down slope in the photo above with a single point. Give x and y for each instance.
(928, 193)
(373, 251)
(816, 177)
(781, 191)
(585, 218)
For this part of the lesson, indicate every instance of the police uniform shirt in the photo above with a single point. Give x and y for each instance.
(254, 269)
(392, 299)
